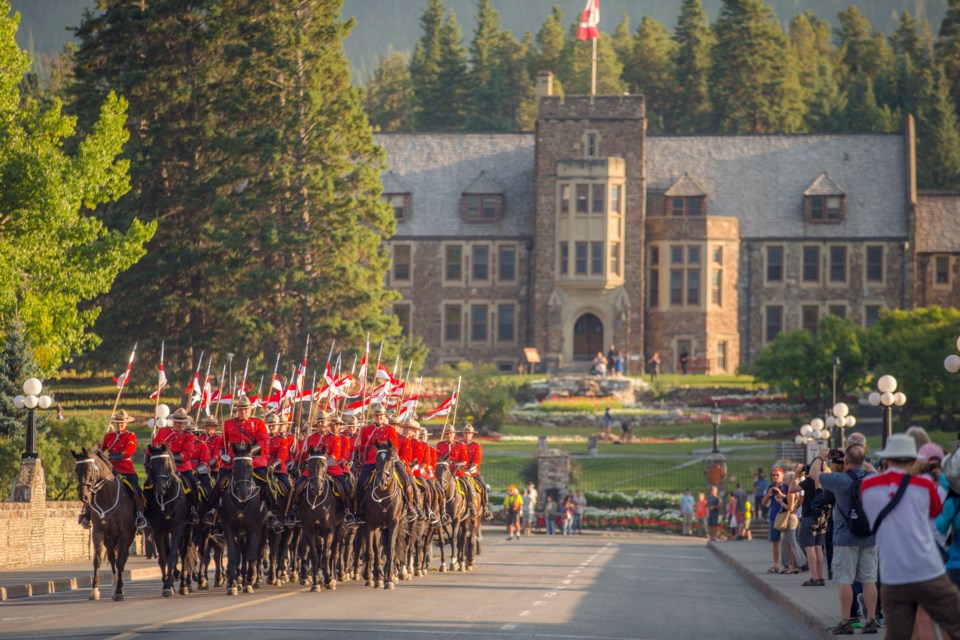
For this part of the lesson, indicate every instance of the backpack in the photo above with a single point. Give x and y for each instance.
(856, 519)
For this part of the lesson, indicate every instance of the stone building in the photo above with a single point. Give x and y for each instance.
(587, 233)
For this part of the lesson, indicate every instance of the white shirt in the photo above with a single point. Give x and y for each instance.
(905, 544)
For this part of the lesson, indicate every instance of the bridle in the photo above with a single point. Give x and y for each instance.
(96, 486)
(254, 491)
(377, 489)
(321, 495)
(166, 477)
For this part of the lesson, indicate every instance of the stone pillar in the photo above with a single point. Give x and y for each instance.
(553, 473)
(30, 485)
(716, 470)
(592, 445)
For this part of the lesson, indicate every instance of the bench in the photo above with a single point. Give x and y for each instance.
(696, 365)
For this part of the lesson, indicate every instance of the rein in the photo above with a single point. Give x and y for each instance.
(376, 487)
(233, 485)
(156, 494)
(97, 486)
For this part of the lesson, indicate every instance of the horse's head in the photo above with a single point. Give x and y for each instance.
(443, 470)
(162, 468)
(242, 473)
(386, 458)
(317, 464)
(92, 472)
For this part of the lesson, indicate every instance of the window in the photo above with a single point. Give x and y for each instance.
(564, 258)
(722, 356)
(810, 318)
(453, 263)
(676, 287)
(616, 193)
(871, 313)
(596, 258)
(774, 322)
(654, 297)
(580, 259)
(718, 255)
(478, 323)
(481, 207)
(774, 264)
(875, 264)
(507, 264)
(399, 203)
(941, 270)
(452, 314)
(615, 258)
(693, 255)
(811, 264)
(838, 264)
(716, 287)
(564, 198)
(401, 263)
(481, 262)
(402, 311)
(838, 310)
(583, 197)
(599, 198)
(591, 145)
(692, 206)
(693, 287)
(824, 208)
(506, 322)
(676, 255)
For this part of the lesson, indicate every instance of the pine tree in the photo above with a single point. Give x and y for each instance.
(425, 67)
(16, 365)
(577, 60)
(551, 49)
(488, 85)
(389, 99)
(938, 138)
(452, 79)
(862, 112)
(863, 53)
(692, 57)
(623, 45)
(754, 86)
(650, 72)
(948, 50)
(810, 39)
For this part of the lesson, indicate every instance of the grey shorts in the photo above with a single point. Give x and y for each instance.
(810, 533)
(854, 564)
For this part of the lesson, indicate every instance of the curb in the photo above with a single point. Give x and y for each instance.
(60, 585)
(802, 615)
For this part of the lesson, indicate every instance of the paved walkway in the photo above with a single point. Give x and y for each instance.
(39, 579)
(817, 608)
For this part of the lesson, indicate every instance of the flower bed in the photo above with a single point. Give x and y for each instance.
(658, 520)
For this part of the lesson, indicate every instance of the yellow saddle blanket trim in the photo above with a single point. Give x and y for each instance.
(460, 486)
(129, 485)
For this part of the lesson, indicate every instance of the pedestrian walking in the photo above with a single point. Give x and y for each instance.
(686, 512)
(513, 505)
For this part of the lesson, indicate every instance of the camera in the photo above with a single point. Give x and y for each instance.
(836, 456)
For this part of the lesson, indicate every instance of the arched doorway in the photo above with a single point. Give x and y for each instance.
(587, 337)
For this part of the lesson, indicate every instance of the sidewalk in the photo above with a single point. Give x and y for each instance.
(817, 608)
(25, 582)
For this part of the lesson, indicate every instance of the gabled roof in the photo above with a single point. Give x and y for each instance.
(938, 218)
(393, 184)
(483, 184)
(685, 187)
(824, 186)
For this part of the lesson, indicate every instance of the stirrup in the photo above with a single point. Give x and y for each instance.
(210, 518)
(193, 518)
(140, 523)
(292, 519)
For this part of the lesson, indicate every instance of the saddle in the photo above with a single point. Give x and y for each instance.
(129, 487)
(460, 486)
(396, 477)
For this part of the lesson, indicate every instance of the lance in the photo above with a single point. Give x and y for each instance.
(223, 385)
(156, 405)
(242, 391)
(196, 376)
(203, 389)
(312, 413)
(297, 416)
(456, 404)
(366, 409)
(260, 392)
(403, 394)
(123, 383)
(276, 368)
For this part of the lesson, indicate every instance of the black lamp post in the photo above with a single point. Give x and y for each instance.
(30, 401)
(715, 419)
(888, 397)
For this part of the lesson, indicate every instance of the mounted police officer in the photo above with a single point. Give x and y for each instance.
(180, 443)
(474, 456)
(120, 447)
(313, 441)
(382, 434)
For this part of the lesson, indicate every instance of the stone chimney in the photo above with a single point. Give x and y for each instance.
(544, 84)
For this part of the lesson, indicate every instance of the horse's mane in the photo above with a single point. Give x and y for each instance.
(96, 452)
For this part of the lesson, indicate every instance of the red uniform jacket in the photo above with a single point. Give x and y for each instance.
(346, 450)
(201, 453)
(382, 435)
(279, 451)
(433, 462)
(474, 456)
(253, 431)
(179, 442)
(333, 445)
(444, 448)
(214, 448)
(407, 452)
(124, 443)
(420, 457)
(458, 453)
(365, 434)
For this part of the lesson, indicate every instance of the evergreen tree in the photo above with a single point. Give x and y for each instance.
(948, 50)
(516, 59)
(938, 137)
(863, 53)
(577, 61)
(862, 112)
(425, 68)
(389, 98)
(16, 365)
(692, 67)
(754, 86)
(623, 45)
(452, 79)
(650, 72)
(488, 84)
(551, 48)
(810, 39)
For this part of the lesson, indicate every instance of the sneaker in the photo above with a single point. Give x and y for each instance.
(845, 628)
(870, 627)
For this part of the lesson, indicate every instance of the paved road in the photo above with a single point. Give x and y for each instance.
(583, 587)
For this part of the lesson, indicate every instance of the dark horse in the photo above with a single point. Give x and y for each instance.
(321, 516)
(383, 506)
(167, 512)
(454, 510)
(113, 511)
(243, 511)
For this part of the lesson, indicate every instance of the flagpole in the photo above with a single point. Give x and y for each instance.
(298, 410)
(126, 375)
(456, 403)
(203, 389)
(156, 405)
(366, 410)
(593, 72)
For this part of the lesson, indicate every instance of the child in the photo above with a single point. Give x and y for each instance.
(700, 512)
(747, 517)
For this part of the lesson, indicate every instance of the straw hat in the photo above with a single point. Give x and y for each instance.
(122, 417)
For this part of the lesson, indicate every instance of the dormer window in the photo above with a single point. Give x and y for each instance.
(685, 198)
(482, 201)
(824, 201)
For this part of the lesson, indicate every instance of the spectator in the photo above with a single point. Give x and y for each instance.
(567, 511)
(59, 411)
(919, 435)
(812, 531)
(626, 432)
(772, 501)
(713, 513)
(608, 424)
(745, 533)
(929, 456)
(912, 572)
(612, 360)
(854, 557)
(700, 511)
(599, 364)
(790, 553)
(731, 517)
(513, 505)
(534, 495)
(684, 361)
(741, 509)
(760, 485)
(527, 517)
(550, 516)
(579, 505)
(653, 365)
(686, 511)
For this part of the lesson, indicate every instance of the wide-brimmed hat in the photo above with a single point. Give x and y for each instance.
(191, 425)
(394, 420)
(211, 421)
(121, 417)
(272, 419)
(243, 402)
(349, 421)
(324, 415)
(469, 429)
(899, 445)
(379, 410)
(179, 415)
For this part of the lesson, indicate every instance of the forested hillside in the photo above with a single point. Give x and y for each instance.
(385, 25)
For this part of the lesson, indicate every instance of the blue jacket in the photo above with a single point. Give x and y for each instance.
(950, 515)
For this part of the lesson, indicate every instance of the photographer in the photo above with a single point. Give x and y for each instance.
(812, 530)
(773, 501)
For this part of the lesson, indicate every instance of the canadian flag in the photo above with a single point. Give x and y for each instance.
(590, 21)
(407, 407)
(362, 374)
(122, 379)
(444, 409)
